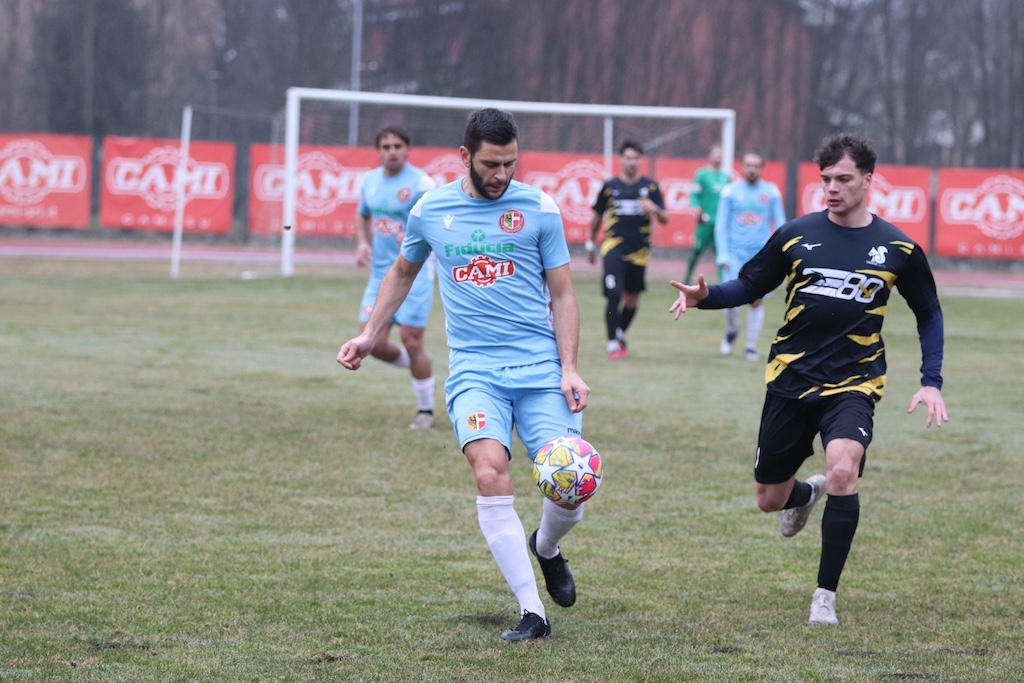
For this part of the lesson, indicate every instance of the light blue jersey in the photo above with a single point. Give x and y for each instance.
(747, 216)
(387, 200)
(491, 258)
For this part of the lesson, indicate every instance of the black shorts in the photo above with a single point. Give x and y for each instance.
(621, 275)
(788, 427)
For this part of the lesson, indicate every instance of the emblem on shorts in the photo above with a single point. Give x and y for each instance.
(476, 421)
(512, 221)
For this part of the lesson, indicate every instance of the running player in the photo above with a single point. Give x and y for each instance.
(513, 332)
(709, 182)
(388, 193)
(826, 369)
(749, 210)
(625, 204)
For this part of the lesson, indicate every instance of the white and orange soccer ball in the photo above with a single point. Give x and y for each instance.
(568, 470)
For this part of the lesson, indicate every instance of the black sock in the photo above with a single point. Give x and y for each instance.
(611, 315)
(799, 496)
(838, 526)
(428, 412)
(626, 317)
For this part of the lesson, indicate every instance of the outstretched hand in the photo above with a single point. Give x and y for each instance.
(689, 295)
(931, 397)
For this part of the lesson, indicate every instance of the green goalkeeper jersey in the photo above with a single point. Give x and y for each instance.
(709, 184)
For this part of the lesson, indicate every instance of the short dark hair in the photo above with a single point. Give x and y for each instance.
(837, 145)
(754, 152)
(396, 130)
(492, 125)
(630, 144)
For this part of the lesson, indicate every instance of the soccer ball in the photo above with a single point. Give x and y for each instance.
(567, 470)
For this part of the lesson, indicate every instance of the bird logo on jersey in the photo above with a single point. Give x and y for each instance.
(512, 221)
(877, 255)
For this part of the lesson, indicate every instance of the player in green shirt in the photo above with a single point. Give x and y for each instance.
(709, 182)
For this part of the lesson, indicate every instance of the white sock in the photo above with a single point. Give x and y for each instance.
(755, 321)
(424, 390)
(732, 322)
(505, 536)
(403, 358)
(555, 523)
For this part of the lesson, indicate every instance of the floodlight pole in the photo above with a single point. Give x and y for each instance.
(179, 188)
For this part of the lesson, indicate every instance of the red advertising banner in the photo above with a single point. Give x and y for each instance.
(45, 180)
(572, 180)
(898, 194)
(675, 178)
(980, 214)
(139, 189)
(328, 184)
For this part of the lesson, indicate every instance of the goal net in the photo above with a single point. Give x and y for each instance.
(565, 149)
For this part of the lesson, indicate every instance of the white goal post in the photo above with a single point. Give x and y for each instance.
(608, 112)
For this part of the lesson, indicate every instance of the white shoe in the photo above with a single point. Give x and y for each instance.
(422, 421)
(726, 347)
(794, 519)
(823, 608)
(750, 354)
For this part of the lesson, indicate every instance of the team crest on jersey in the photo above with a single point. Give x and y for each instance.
(483, 271)
(404, 194)
(512, 221)
(476, 421)
(877, 255)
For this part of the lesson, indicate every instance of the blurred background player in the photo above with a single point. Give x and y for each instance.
(388, 193)
(827, 368)
(708, 184)
(749, 211)
(625, 204)
(513, 335)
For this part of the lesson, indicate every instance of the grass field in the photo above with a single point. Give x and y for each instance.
(191, 489)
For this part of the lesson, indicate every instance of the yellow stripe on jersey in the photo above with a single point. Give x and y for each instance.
(776, 366)
(868, 340)
(905, 247)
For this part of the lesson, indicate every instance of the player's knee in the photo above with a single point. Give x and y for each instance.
(771, 498)
(842, 478)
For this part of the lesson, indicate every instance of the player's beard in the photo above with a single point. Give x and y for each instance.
(480, 187)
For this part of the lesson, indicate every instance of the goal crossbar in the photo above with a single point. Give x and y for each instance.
(609, 112)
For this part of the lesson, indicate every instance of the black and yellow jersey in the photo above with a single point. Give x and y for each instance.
(839, 281)
(624, 221)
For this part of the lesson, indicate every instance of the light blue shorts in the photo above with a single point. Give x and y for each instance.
(487, 404)
(415, 310)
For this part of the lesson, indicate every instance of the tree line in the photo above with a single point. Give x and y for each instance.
(931, 83)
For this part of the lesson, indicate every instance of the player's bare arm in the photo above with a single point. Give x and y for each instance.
(595, 225)
(932, 399)
(651, 208)
(393, 289)
(689, 295)
(363, 238)
(566, 315)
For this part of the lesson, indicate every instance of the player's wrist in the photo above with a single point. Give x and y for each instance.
(589, 245)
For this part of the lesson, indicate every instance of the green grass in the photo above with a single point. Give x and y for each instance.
(191, 489)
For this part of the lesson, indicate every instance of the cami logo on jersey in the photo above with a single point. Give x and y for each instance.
(328, 182)
(981, 214)
(44, 180)
(140, 185)
(898, 194)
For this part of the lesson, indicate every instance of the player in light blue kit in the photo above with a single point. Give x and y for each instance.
(749, 211)
(513, 332)
(388, 193)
